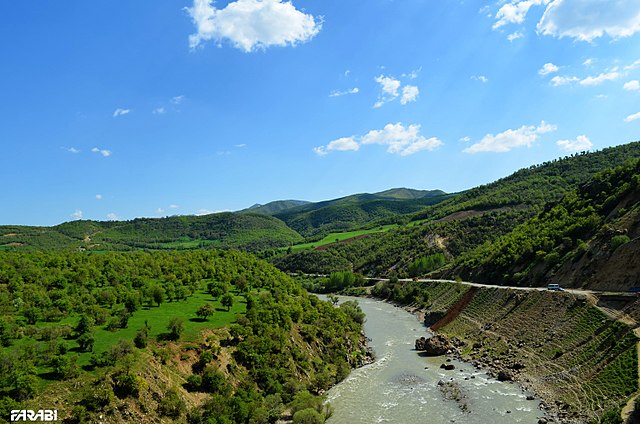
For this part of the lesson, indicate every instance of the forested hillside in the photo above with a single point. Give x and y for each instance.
(588, 239)
(248, 231)
(189, 336)
(358, 210)
(458, 225)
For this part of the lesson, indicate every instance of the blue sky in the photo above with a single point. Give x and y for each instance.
(118, 109)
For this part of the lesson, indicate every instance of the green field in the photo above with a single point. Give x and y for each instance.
(157, 318)
(336, 237)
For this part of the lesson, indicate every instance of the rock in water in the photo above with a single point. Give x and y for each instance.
(433, 346)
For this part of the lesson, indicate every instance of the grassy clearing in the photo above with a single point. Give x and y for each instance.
(336, 237)
(157, 318)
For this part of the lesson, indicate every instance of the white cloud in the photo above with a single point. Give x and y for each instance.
(633, 85)
(338, 93)
(514, 36)
(73, 150)
(515, 12)
(588, 62)
(413, 74)
(201, 212)
(159, 211)
(609, 76)
(581, 143)
(465, 139)
(510, 139)
(252, 24)
(563, 80)
(587, 20)
(400, 139)
(112, 216)
(120, 112)
(342, 145)
(77, 214)
(389, 85)
(159, 111)
(633, 117)
(98, 196)
(483, 79)
(178, 99)
(103, 152)
(548, 68)
(173, 206)
(240, 146)
(409, 94)
(633, 66)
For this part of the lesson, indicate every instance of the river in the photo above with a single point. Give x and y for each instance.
(402, 386)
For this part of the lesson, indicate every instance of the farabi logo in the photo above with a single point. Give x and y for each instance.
(30, 415)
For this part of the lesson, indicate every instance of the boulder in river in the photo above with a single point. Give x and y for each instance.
(433, 346)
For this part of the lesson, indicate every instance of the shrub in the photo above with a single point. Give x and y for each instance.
(618, 241)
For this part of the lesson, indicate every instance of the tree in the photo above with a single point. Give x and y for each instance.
(227, 301)
(205, 311)
(157, 294)
(175, 327)
(86, 341)
(141, 338)
(85, 324)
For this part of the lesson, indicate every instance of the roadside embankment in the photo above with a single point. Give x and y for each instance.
(581, 362)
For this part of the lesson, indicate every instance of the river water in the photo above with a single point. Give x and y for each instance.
(402, 387)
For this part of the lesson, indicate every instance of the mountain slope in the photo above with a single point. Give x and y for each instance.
(275, 207)
(357, 210)
(464, 221)
(589, 239)
(225, 230)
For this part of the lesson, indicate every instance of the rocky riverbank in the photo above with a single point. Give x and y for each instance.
(557, 347)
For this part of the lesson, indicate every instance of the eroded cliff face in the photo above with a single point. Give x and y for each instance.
(580, 361)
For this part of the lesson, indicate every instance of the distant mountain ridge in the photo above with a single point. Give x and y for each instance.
(274, 207)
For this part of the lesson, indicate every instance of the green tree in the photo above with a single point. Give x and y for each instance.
(86, 341)
(227, 301)
(175, 327)
(205, 311)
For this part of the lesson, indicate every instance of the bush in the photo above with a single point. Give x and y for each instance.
(618, 241)
(308, 416)
(172, 405)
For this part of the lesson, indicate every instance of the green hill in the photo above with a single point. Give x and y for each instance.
(275, 207)
(356, 211)
(464, 221)
(225, 230)
(591, 238)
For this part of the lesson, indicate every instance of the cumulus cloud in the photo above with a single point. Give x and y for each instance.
(343, 144)
(201, 212)
(120, 112)
(73, 150)
(252, 25)
(176, 100)
(548, 68)
(581, 143)
(563, 80)
(338, 93)
(112, 216)
(510, 139)
(98, 196)
(159, 111)
(104, 152)
(77, 214)
(483, 79)
(515, 12)
(587, 20)
(173, 206)
(399, 139)
(409, 94)
(390, 89)
(597, 80)
(633, 117)
(632, 85)
(514, 36)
